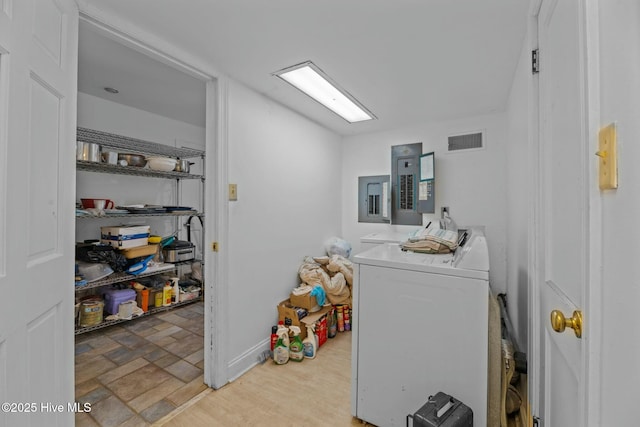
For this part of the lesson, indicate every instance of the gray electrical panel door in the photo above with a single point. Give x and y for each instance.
(374, 199)
(405, 178)
(427, 187)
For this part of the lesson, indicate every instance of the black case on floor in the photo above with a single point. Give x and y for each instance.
(452, 413)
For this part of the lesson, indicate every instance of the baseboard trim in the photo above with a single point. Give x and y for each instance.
(247, 360)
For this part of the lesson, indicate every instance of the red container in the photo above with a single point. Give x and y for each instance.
(322, 330)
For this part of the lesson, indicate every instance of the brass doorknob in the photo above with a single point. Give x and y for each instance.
(559, 322)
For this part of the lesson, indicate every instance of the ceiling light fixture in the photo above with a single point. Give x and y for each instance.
(111, 90)
(311, 80)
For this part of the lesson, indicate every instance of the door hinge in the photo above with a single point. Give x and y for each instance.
(214, 247)
(537, 422)
(535, 62)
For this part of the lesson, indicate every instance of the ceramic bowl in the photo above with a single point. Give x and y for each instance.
(164, 164)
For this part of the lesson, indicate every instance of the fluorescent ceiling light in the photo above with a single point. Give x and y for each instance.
(314, 82)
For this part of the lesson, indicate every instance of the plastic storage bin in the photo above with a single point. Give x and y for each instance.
(114, 297)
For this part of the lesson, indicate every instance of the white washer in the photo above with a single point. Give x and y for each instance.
(420, 325)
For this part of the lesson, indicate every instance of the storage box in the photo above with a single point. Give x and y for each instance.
(125, 236)
(287, 311)
(321, 329)
(305, 301)
(188, 296)
(140, 251)
(114, 297)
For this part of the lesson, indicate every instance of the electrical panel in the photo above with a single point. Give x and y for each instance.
(374, 199)
(405, 179)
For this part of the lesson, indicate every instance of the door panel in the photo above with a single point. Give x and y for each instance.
(38, 83)
(562, 149)
(48, 29)
(42, 170)
(43, 373)
(562, 247)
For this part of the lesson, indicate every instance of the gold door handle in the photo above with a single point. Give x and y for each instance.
(559, 322)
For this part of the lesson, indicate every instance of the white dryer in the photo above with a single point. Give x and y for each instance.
(420, 325)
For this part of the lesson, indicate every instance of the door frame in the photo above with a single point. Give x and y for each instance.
(215, 203)
(593, 304)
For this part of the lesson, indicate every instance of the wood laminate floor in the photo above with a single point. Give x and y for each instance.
(314, 392)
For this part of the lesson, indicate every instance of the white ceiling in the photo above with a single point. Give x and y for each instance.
(408, 61)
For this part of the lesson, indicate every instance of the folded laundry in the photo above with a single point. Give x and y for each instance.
(432, 241)
(426, 247)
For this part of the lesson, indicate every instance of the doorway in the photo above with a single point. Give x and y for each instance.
(566, 285)
(145, 367)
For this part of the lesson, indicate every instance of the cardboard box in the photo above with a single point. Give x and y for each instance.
(125, 236)
(287, 310)
(305, 301)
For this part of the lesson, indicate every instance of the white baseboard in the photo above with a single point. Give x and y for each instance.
(247, 360)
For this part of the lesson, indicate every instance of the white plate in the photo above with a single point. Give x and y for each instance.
(116, 211)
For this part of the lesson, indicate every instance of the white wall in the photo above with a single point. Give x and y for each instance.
(473, 184)
(620, 85)
(106, 116)
(288, 172)
(519, 200)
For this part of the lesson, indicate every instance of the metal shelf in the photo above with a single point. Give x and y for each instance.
(135, 145)
(82, 165)
(123, 215)
(123, 144)
(123, 277)
(106, 323)
(187, 262)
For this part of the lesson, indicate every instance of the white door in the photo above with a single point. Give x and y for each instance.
(38, 51)
(562, 243)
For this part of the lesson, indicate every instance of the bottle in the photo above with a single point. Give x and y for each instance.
(157, 302)
(175, 290)
(144, 300)
(166, 295)
(347, 318)
(340, 317)
(333, 323)
(287, 324)
(281, 351)
(283, 332)
(296, 348)
(310, 344)
(274, 338)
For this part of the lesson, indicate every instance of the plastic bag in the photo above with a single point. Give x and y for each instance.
(318, 292)
(338, 246)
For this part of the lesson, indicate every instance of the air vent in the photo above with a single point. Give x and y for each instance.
(465, 142)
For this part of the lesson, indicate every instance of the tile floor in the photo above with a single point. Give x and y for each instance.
(135, 373)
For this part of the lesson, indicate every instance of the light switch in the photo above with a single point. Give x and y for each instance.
(608, 154)
(233, 192)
